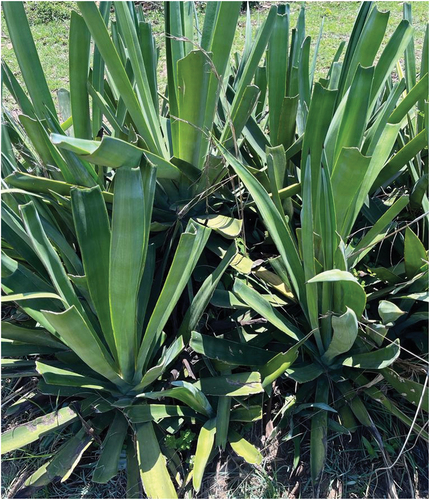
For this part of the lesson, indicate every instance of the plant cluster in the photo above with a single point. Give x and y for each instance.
(183, 260)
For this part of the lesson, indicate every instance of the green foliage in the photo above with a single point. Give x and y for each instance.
(46, 12)
(182, 442)
(154, 332)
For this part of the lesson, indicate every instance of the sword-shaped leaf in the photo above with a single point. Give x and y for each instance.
(94, 236)
(27, 433)
(187, 393)
(152, 464)
(237, 384)
(157, 412)
(230, 352)
(205, 444)
(374, 360)
(244, 449)
(107, 465)
(345, 330)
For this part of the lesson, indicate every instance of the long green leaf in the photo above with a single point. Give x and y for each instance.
(263, 307)
(101, 37)
(81, 338)
(189, 249)
(79, 62)
(205, 444)
(244, 449)
(93, 232)
(107, 465)
(27, 433)
(28, 59)
(230, 352)
(152, 464)
(275, 224)
(381, 358)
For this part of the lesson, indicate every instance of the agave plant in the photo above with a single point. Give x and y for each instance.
(353, 142)
(110, 334)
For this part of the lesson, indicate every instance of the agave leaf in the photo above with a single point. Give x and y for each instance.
(377, 232)
(393, 167)
(409, 389)
(304, 373)
(48, 256)
(280, 363)
(277, 61)
(373, 134)
(244, 449)
(193, 80)
(187, 393)
(151, 375)
(263, 307)
(230, 352)
(134, 485)
(127, 254)
(82, 339)
(382, 151)
(36, 184)
(72, 169)
(107, 465)
(415, 254)
(346, 181)
(204, 295)
(79, 62)
(56, 375)
(351, 294)
(366, 38)
(381, 358)
(390, 55)
(246, 414)
(217, 38)
(249, 69)
(27, 56)
(237, 384)
(205, 444)
(27, 433)
(227, 226)
(189, 249)
(276, 225)
(16, 278)
(319, 431)
(345, 330)
(62, 465)
(107, 49)
(115, 153)
(19, 297)
(135, 56)
(17, 349)
(156, 412)
(242, 113)
(222, 421)
(102, 106)
(381, 398)
(93, 232)
(308, 250)
(20, 97)
(152, 464)
(226, 300)
(389, 312)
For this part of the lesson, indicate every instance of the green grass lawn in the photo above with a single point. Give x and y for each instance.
(50, 21)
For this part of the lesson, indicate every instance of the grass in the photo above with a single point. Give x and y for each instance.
(50, 21)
